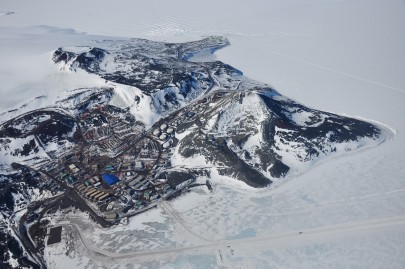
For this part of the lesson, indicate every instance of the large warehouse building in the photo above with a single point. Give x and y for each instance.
(110, 179)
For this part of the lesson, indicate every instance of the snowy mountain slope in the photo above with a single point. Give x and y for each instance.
(159, 70)
(258, 135)
(36, 136)
(17, 191)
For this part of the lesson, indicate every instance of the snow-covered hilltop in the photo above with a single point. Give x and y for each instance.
(258, 135)
(160, 71)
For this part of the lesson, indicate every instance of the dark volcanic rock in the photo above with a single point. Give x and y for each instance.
(150, 66)
(256, 135)
(45, 124)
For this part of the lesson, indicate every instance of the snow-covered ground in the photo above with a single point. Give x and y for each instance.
(340, 56)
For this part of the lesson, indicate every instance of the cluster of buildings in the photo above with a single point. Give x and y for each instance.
(141, 158)
(91, 188)
(96, 134)
(139, 183)
(92, 193)
(124, 186)
(125, 181)
(123, 129)
(108, 130)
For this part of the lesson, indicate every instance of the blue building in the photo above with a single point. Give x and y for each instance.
(110, 179)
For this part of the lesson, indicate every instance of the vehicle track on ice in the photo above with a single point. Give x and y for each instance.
(268, 241)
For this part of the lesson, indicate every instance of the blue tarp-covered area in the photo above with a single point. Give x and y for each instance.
(110, 179)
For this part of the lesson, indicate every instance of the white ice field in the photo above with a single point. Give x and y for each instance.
(343, 56)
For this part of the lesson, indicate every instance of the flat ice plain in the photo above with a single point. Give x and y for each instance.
(341, 56)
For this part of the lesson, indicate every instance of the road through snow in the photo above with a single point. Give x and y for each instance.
(270, 241)
(181, 226)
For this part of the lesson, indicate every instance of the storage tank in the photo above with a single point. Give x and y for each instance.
(167, 144)
(163, 127)
(163, 137)
(170, 130)
(156, 132)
